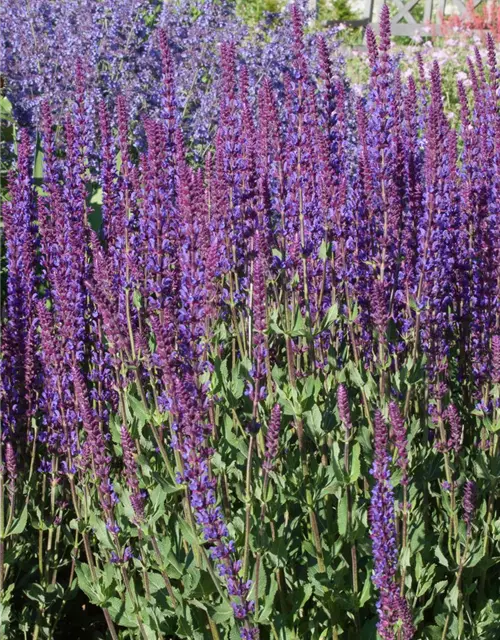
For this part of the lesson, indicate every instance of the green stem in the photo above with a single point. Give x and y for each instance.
(248, 498)
(90, 560)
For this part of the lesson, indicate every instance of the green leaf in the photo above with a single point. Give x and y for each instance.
(269, 601)
(5, 107)
(237, 384)
(299, 327)
(307, 588)
(404, 559)
(441, 557)
(424, 588)
(157, 499)
(101, 531)
(235, 633)
(191, 579)
(453, 596)
(476, 557)
(337, 470)
(417, 539)
(188, 533)
(367, 589)
(342, 515)
(108, 575)
(5, 613)
(222, 613)
(96, 196)
(156, 582)
(38, 168)
(36, 592)
(355, 375)
(324, 250)
(88, 585)
(440, 586)
(355, 463)
(330, 318)
(138, 410)
(19, 524)
(314, 420)
(198, 604)
(262, 582)
(121, 615)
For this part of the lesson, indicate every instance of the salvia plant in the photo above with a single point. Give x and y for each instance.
(261, 397)
(115, 43)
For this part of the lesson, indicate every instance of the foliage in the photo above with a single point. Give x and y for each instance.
(336, 10)
(255, 11)
(261, 396)
(326, 10)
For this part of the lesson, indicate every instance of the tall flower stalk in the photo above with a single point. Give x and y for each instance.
(392, 607)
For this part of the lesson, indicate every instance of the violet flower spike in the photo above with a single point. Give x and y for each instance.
(391, 607)
(131, 473)
(344, 409)
(400, 439)
(455, 439)
(272, 438)
(469, 503)
(495, 359)
(11, 466)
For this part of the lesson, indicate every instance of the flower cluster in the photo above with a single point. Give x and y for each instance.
(117, 45)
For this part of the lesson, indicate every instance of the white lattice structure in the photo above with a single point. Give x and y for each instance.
(404, 23)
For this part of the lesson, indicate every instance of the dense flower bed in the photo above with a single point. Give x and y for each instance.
(257, 398)
(116, 44)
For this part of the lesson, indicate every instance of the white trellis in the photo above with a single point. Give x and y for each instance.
(403, 23)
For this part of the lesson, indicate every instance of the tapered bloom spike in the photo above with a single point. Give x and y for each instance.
(385, 29)
(400, 439)
(344, 408)
(495, 359)
(11, 466)
(130, 468)
(95, 449)
(469, 503)
(20, 295)
(455, 439)
(272, 438)
(379, 306)
(391, 606)
(371, 43)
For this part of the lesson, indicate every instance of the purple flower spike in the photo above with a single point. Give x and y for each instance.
(455, 439)
(469, 503)
(11, 466)
(379, 307)
(95, 450)
(130, 465)
(391, 607)
(343, 405)
(20, 298)
(10, 462)
(495, 359)
(272, 437)
(400, 439)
